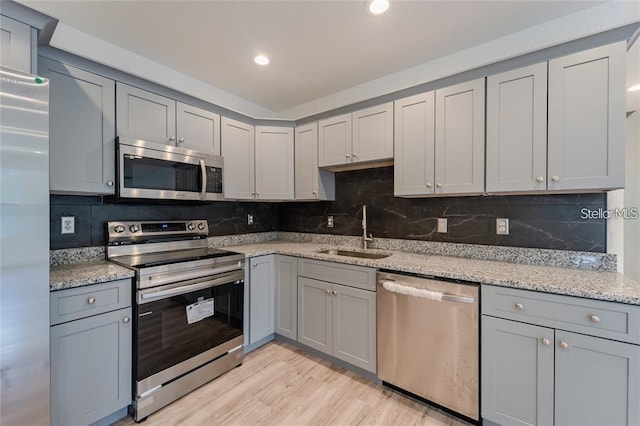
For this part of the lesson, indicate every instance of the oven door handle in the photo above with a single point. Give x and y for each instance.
(163, 294)
(203, 170)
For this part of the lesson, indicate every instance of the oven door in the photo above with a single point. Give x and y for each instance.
(170, 173)
(182, 326)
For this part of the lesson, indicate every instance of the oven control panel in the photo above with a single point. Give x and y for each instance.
(123, 232)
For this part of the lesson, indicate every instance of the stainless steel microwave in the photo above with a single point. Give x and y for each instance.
(155, 171)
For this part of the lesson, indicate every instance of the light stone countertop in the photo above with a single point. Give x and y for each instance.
(86, 273)
(607, 286)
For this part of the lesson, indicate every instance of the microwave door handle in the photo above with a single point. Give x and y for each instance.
(203, 191)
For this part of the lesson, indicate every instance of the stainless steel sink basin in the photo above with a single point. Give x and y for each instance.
(360, 254)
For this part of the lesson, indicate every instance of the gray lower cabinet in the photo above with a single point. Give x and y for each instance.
(286, 301)
(338, 319)
(82, 155)
(261, 297)
(91, 355)
(540, 368)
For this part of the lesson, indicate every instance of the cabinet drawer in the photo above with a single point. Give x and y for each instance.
(593, 317)
(338, 273)
(80, 302)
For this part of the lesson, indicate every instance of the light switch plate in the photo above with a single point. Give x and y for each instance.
(68, 225)
(442, 225)
(502, 226)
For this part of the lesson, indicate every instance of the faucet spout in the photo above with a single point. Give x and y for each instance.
(365, 239)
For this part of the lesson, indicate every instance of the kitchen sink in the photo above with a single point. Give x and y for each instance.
(351, 253)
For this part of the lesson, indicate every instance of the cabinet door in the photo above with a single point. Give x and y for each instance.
(261, 297)
(82, 155)
(197, 129)
(414, 145)
(314, 314)
(334, 141)
(517, 373)
(286, 283)
(517, 130)
(237, 143)
(587, 119)
(311, 183)
(145, 115)
(354, 326)
(373, 134)
(90, 368)
(274, 163)
(15, 44)
(597, 381)
(460, 138)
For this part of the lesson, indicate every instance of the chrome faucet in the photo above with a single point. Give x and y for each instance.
(365, 239)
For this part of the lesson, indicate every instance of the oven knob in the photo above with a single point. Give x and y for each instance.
(134, 228)
(191, 227)
(201, 226)
(119, 228)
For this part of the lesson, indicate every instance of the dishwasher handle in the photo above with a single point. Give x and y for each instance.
(437, 296)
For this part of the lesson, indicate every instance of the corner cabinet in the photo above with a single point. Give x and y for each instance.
(360, 138)
(261, 297)
(91, 339)
(587, 119)
(82, 155)
(155, 118)
(337, 311)
(311, 183)
(558, 359)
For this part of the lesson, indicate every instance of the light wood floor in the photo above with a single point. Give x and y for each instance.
(279, 384)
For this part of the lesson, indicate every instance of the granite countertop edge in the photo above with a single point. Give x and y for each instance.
(597, 285)
(86, 273)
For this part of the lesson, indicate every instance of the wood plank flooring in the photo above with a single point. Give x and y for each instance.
(280, 384)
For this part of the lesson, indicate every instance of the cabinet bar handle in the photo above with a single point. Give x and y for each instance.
(594, 318)
(519, 305)
(546, 341)
(91, 300)
(564, 345)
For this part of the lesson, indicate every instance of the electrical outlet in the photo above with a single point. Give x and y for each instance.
(502, 226)
(68, 225)
(442, 225)
(249, 219)
(329, 221)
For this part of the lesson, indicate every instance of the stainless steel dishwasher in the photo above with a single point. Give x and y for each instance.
(428, 339)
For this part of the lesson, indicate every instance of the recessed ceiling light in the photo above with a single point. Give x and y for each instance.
(261, 60)
(634, 88)
(378, 7)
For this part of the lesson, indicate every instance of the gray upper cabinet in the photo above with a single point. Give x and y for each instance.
(274, 163)
(261, 298)
(543, 364)
(517, 130)
(587, 119)
(311, 183)
(197, 129)
(286, 298)
(361, 137)
(414, 145)
(459, 142)
(15, 44)
(82, 155)
(238, 151)
(145, 115)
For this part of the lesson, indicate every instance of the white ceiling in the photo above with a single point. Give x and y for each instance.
(317, 48)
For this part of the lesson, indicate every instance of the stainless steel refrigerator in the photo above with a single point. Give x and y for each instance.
(24, 249)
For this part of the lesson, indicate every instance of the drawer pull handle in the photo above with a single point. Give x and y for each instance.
(126, 320)
(91, 300)
(546, 341)
(594, 318)
(519, 306)
(564, 345)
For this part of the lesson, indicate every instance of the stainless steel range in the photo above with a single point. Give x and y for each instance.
(188, 308)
